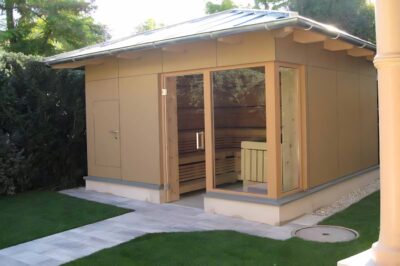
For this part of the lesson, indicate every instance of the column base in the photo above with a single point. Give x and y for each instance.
(362, 259)
(386, 256)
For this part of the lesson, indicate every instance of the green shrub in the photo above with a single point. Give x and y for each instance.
(42, 122)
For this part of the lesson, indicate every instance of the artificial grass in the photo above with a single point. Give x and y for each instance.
(32, 215)
(232, 248)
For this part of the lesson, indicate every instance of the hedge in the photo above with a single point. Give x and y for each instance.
(42, 125)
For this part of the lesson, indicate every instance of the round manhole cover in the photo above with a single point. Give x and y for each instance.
(326, 233)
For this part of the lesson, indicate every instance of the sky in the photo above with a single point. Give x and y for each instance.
(122, 16)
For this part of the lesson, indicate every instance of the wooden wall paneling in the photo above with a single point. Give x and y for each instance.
(140, 129)
(349, 123)
(322, 125)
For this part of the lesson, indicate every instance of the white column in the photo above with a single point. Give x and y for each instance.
(387, 250)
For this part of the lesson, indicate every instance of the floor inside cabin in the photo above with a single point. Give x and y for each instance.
(193, 199)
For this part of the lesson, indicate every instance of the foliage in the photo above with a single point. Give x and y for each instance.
(32, 215)
(48, 27)
(42, 141)
(233, 248)
(239, 87)
(354, 16)
(214, 8)
(270, 4)
(189, 91)
(13, 172)
(149, 24)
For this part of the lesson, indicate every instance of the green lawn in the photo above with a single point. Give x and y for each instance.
(33, 215)
(231, 248)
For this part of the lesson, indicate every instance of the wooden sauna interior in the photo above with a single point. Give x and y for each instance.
(239, 117)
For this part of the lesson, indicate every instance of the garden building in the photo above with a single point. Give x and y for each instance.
(271, 113)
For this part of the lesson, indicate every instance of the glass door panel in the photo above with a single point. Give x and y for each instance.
(189, 91)
(289, 94)
(239, 117)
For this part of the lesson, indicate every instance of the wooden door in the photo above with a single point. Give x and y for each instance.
(106, 133)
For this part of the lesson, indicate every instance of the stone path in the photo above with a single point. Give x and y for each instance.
(147, 218)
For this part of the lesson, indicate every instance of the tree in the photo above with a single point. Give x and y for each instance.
(48, 27)
(149, 24)
(271, 4)
(354, 16)
(214, 8)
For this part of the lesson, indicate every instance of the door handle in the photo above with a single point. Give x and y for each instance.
(115, 133)
(200, 140)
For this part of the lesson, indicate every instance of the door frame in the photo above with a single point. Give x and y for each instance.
(301, 126)
(169, 134)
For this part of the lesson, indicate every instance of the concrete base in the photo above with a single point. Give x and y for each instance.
(277, 212)
(361, 259)
(131, 192)
(262, 213)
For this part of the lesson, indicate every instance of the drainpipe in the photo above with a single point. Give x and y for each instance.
(387, 250)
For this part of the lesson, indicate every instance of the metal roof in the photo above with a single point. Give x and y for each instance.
(213, 26)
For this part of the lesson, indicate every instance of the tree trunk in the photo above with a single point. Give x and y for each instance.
(9, 8)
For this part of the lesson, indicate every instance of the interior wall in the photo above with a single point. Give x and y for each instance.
(341, 107)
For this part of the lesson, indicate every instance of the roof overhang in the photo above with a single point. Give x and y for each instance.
(298, 22)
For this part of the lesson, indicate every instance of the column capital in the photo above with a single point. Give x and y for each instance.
(382, 60)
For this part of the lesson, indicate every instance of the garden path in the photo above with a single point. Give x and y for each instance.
(147, 218)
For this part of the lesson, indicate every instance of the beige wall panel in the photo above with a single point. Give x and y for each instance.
(105, 70)
(248, 48)
(322, 125)
(140, 147)
(106, 137)
(349, 123)
(320, 57)
(367, 67)
(289, 51)
(369, 121)
(102, 90)
(146, 62)
(346, 63)
(98, 91)
(189, 56)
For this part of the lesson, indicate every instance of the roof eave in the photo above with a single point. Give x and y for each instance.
(271, 25)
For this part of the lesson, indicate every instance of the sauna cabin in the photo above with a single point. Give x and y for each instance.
(268, 114)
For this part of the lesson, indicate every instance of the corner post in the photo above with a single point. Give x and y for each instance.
(274, 173)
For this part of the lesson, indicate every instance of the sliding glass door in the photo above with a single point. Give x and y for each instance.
(239, 117)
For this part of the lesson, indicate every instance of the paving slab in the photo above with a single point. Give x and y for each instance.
(309, 219)
(146, 218)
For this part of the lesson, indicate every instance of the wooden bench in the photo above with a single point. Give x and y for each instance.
(227, 156)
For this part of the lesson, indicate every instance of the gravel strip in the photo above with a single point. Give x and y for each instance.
(348, 199)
